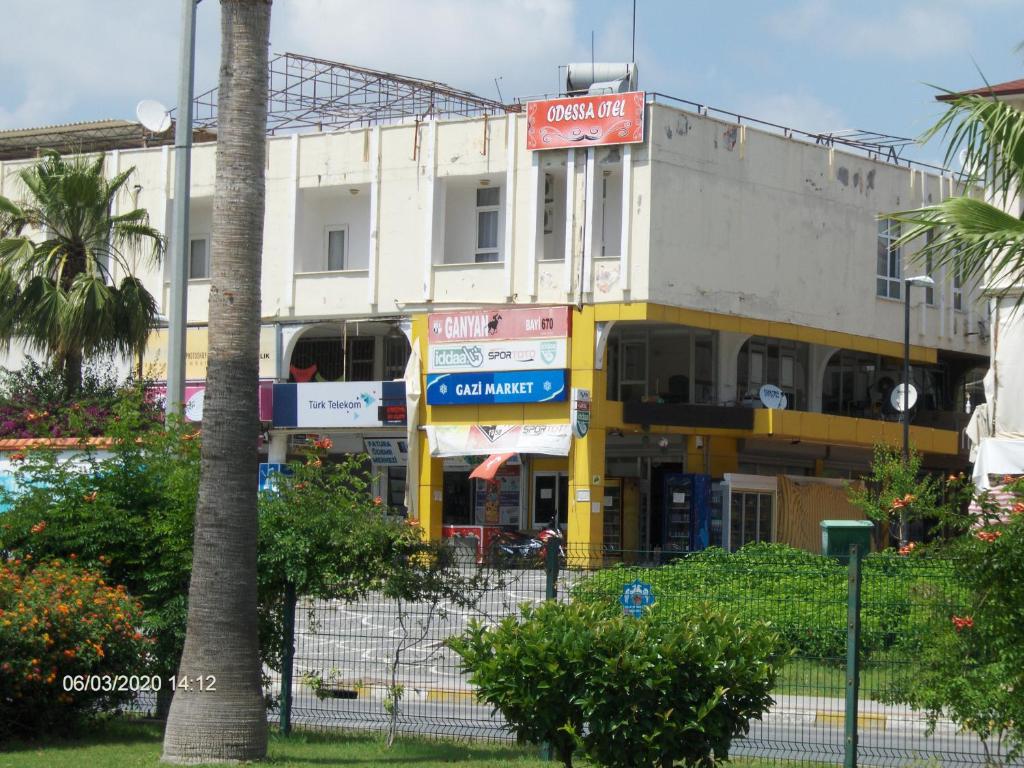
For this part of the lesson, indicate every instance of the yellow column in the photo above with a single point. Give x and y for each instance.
(431, 485)
(585, 537)
(430, 479)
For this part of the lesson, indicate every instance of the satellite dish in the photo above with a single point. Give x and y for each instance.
(771, 396)
(896, 398)
(153, 115)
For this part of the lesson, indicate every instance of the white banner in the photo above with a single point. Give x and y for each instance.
(485, 439)
(511, 355)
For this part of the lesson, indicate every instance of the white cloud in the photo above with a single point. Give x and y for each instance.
(798, 110)
(914, 31)
(464, 43)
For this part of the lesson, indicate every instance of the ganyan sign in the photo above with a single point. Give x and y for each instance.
(585, 121)
(499, 324)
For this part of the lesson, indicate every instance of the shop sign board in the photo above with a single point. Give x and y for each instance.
(499, 387)
(511, 355)
(585, 121)
(579, 413)
(195, 399)
(500, 324)
(269, 473)
(197, 341)
(387, 452)
(484, 439)
(321, 405)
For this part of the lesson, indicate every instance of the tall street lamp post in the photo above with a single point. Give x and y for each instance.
(177, 310)
(926, 281)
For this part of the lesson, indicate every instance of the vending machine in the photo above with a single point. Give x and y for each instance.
(687, 508)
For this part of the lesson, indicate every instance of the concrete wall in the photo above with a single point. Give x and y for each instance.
(758, 225)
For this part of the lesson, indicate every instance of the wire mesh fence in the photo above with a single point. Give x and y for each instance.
(382, 663)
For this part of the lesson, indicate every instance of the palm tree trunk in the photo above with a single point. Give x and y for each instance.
(221, 640)
(72, 373)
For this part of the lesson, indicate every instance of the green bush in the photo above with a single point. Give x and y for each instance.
(802, 596)
(630, 692)
(61, 626)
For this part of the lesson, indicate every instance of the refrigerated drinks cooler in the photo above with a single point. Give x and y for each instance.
(688, 509)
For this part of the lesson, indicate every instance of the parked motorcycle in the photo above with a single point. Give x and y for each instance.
(514, 549)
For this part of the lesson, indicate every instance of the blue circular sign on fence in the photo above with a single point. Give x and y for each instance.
(637, 596)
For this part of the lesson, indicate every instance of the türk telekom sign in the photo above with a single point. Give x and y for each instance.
(585, 121)
(499, 324)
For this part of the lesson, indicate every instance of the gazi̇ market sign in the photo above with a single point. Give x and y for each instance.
(585, 121)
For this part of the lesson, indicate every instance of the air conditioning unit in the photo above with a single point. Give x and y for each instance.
(595, 79)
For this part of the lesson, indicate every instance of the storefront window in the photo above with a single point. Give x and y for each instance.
(396, 488)
(750, 519)
(550, 498)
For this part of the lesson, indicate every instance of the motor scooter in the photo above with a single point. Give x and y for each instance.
(511, 549)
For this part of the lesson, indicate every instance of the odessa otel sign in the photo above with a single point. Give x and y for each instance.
(499, 324)
(585, 121)
(511, 355)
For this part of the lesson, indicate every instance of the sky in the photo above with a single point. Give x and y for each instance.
(816, 65)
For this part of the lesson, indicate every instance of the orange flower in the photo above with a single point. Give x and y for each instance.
(906, 550)
(323, 444)
(18, 456)
(378, 500)
(316, 462)
(988, 536)
(1018, 507)
(190, 435)
(963, 622)
(90, 497)
(906, 501)
(38, 527)
(300, 486)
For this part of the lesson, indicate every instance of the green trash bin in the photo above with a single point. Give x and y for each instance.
(838, 535)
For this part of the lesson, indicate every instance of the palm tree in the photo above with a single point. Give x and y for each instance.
(977, 239)
(221, 642)
(61, 251)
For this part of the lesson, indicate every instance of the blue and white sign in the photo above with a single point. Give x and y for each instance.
(268, 475)
(319, 405)
(501, 387)
(637, 597)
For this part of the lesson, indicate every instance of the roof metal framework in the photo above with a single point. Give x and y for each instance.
(306, 93)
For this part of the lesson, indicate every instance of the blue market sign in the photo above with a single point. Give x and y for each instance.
(480, 388)
(637, 597)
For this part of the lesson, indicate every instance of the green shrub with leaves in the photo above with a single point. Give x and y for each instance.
(64, 636)
(630, 692)
(535, 669)
(969, 651)
(800, 594)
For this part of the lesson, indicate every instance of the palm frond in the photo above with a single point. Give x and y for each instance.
(991, 135)
(975, 239)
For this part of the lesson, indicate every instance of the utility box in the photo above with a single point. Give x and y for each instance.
(838, 535)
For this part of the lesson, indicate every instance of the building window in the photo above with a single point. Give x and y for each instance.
(337, 249)
(199, 258)
(488, 200)
(888, 270)
(750, 519)
(773, 361)
(396, 355)
(359, 358)
(958, 291)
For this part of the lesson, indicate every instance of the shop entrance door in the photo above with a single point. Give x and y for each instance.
(550, 499)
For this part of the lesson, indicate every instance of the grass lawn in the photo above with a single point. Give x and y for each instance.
(137, 745)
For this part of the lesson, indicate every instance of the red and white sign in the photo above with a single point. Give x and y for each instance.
(485, 439)
(489, 466)
(585, 121)
(499, 324)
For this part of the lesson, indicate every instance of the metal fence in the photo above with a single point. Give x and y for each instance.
(381, 663)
